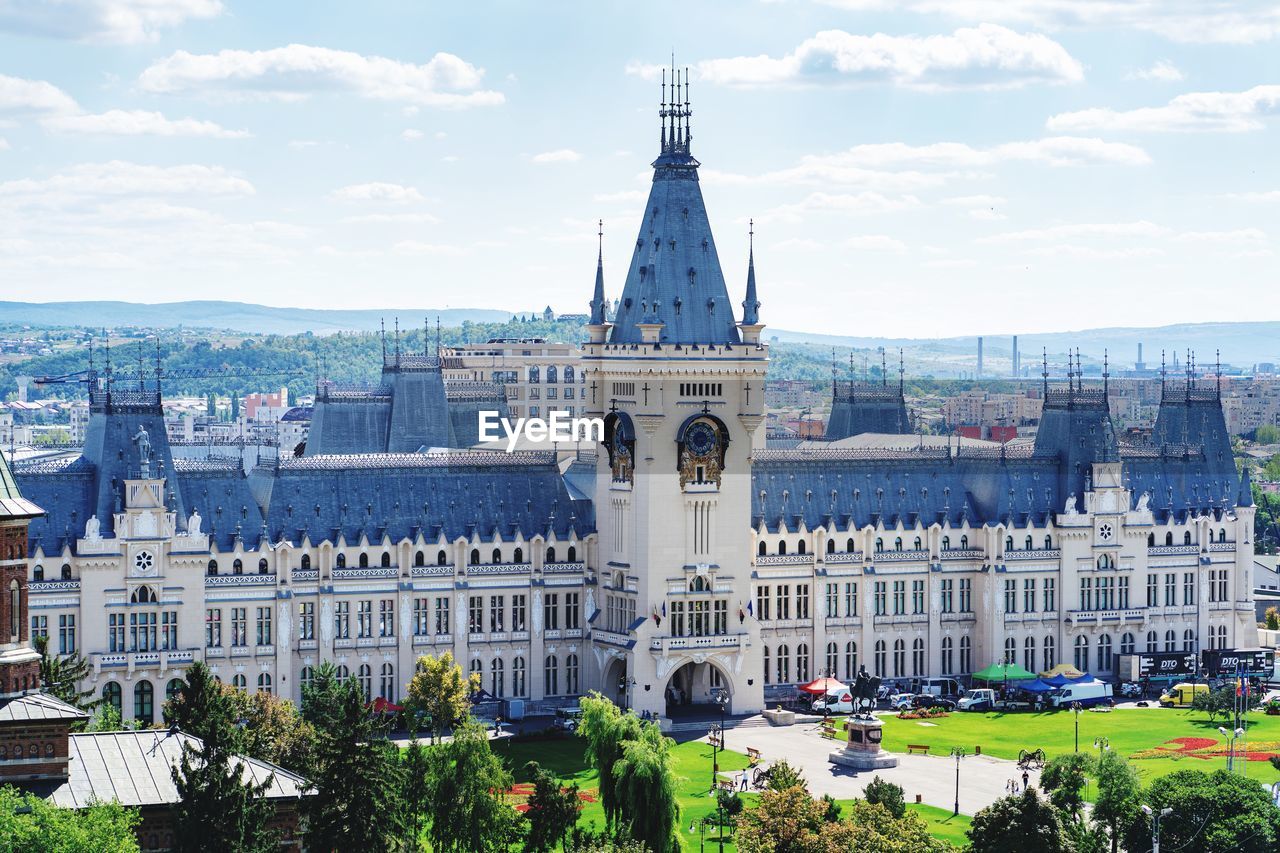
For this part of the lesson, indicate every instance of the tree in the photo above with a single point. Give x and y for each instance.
(30, 824)
(605, 728)
(1273, 619)
(790, 821)
(275, 731)
(870, 828)
(1064, 778)
(1215, 703)
(1267, 434)
(61, 676)
(322, 698)
(442, 692)
(415, 792)
(553, 810)
(784, 820)
(1118, 789)
(1216, 812)
(469, 812)
(782, 776)
(218, 808)
(1023, 823)
(645, 785)
(731, 804)
(356, 780)
(886, 794)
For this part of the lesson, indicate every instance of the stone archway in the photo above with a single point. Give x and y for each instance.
(615, 684)
(688, 691)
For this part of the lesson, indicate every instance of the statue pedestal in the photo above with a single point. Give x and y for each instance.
(863, 750)
(779, 717)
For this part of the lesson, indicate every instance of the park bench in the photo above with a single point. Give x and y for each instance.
(828, 729)
(725, 784)
(716, 740)
(753, 755)
(913, 747)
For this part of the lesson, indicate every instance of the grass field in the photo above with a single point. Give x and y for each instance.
(1131, 732)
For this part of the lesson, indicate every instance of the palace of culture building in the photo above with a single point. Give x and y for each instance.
(687, 556)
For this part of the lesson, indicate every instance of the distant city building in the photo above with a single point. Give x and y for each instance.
(538, 376)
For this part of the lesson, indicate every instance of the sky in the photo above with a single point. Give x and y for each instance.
(918, 168)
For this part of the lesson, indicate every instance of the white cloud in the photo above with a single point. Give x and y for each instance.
(1094, 253)
(138, 123)
(844, 203)
(1051, 151)
(1233, 112)
(297, 70)
(874, 242)
(987, 57)
(4, 143)
(950, 263)
(112, 21)
(1193, 21)
(1237, 237)
(19, 96)
(1140, 228)
(123, 178)
(1264, 196)
(417, 247)
(975, 200)
(625, 196)
(394, 218)
(560, 155)
(378, 191)
(1162, 71)
(411, 134)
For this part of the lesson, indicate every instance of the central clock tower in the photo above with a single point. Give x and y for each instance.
(679, 382)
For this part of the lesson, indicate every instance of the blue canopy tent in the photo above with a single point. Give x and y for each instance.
(1036, 686)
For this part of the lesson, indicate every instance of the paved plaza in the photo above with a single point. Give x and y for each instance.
(983, 779)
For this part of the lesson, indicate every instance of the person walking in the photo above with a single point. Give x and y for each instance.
(1026, 780)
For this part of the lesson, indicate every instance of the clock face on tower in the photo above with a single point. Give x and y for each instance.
(702, 453)
(701, 439)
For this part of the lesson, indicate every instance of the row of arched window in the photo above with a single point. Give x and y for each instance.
(362, 561)
(535, 374)
(37, 572)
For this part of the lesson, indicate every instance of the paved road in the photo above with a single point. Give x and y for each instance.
(983, 779)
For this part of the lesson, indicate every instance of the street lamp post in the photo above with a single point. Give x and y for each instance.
(1155, 825)
(625, 683)
(1232, 735)
(1102, 744)
(699, 827)
(1075, 708)
(959, 753)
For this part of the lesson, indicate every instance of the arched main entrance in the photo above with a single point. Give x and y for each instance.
(616, 684)
(690, 690)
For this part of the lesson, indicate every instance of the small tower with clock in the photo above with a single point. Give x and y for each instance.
(679, 382)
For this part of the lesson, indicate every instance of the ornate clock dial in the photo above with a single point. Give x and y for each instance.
(701, 439)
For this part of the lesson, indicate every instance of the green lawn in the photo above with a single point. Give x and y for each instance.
(942, 824)
(1130, 731)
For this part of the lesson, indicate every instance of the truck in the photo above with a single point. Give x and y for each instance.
(985, 699)
(1182, 695)
(947, 688)
(1158, 666)
(1085, 693)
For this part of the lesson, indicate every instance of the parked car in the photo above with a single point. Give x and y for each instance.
(567, 719)
(928, 700)
(977, 699)
(1182, 695)
(837, 702)
(1131, 689)
(902, 701)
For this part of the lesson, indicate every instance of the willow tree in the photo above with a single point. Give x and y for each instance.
(645, 786)
(605, 728)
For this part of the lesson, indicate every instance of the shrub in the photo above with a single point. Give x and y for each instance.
(888, 795)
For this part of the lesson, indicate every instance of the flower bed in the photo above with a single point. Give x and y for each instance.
(923, 713)
(518, 795)
(1207, 748)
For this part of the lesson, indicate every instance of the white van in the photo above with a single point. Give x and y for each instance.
(836, 702)
(1086, 693)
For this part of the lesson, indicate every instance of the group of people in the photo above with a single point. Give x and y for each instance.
(1013, 787)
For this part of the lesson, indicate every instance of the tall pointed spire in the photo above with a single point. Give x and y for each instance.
(598, 304)
(751, 305)
(1044, 370)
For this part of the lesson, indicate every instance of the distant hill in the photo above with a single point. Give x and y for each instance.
(1242, 344)
(237, 316)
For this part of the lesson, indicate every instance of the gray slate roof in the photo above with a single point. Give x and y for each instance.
(133, 769)
(38, 706)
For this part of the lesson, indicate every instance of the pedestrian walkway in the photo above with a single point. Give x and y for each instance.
(983, 779)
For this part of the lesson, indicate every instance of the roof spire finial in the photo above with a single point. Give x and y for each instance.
(382, 325)
(902, 372)
(1105, 372)
(662, 114)
(751, 305)
(141, 374)
(1044, 370)
(158, 368)
(884, 369)
(397, 341)
(426, 336)
(1217, 365)
(598, 303)
(437, 337)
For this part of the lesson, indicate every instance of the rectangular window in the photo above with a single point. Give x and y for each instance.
(572, 611)
(802, 601)
(948, 595)
(475, 614)
(1086, 593)
(264, 626)
(1029, 595)
(364, 619)
(879, 597)
(115, 632)
(966, 603)
(497, 608)
(917, 597)
(212, 628)
(677, 619)
(1153, 590)
(421, 617)
(168, 629)
(1124, 593)
(762, 603)
(387, 617)
(67, 634)
(518, 608)
(1010, 595)
(1050, 595)
(1189, 588)
(784, 601)
(899, 598)
(851, 598)
(721, 626)
(39, 626)
(832, 606)
(342, 620)
(551, 611)
(307, 620)
(1170, 589)
(442, 615)
(142, 632)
